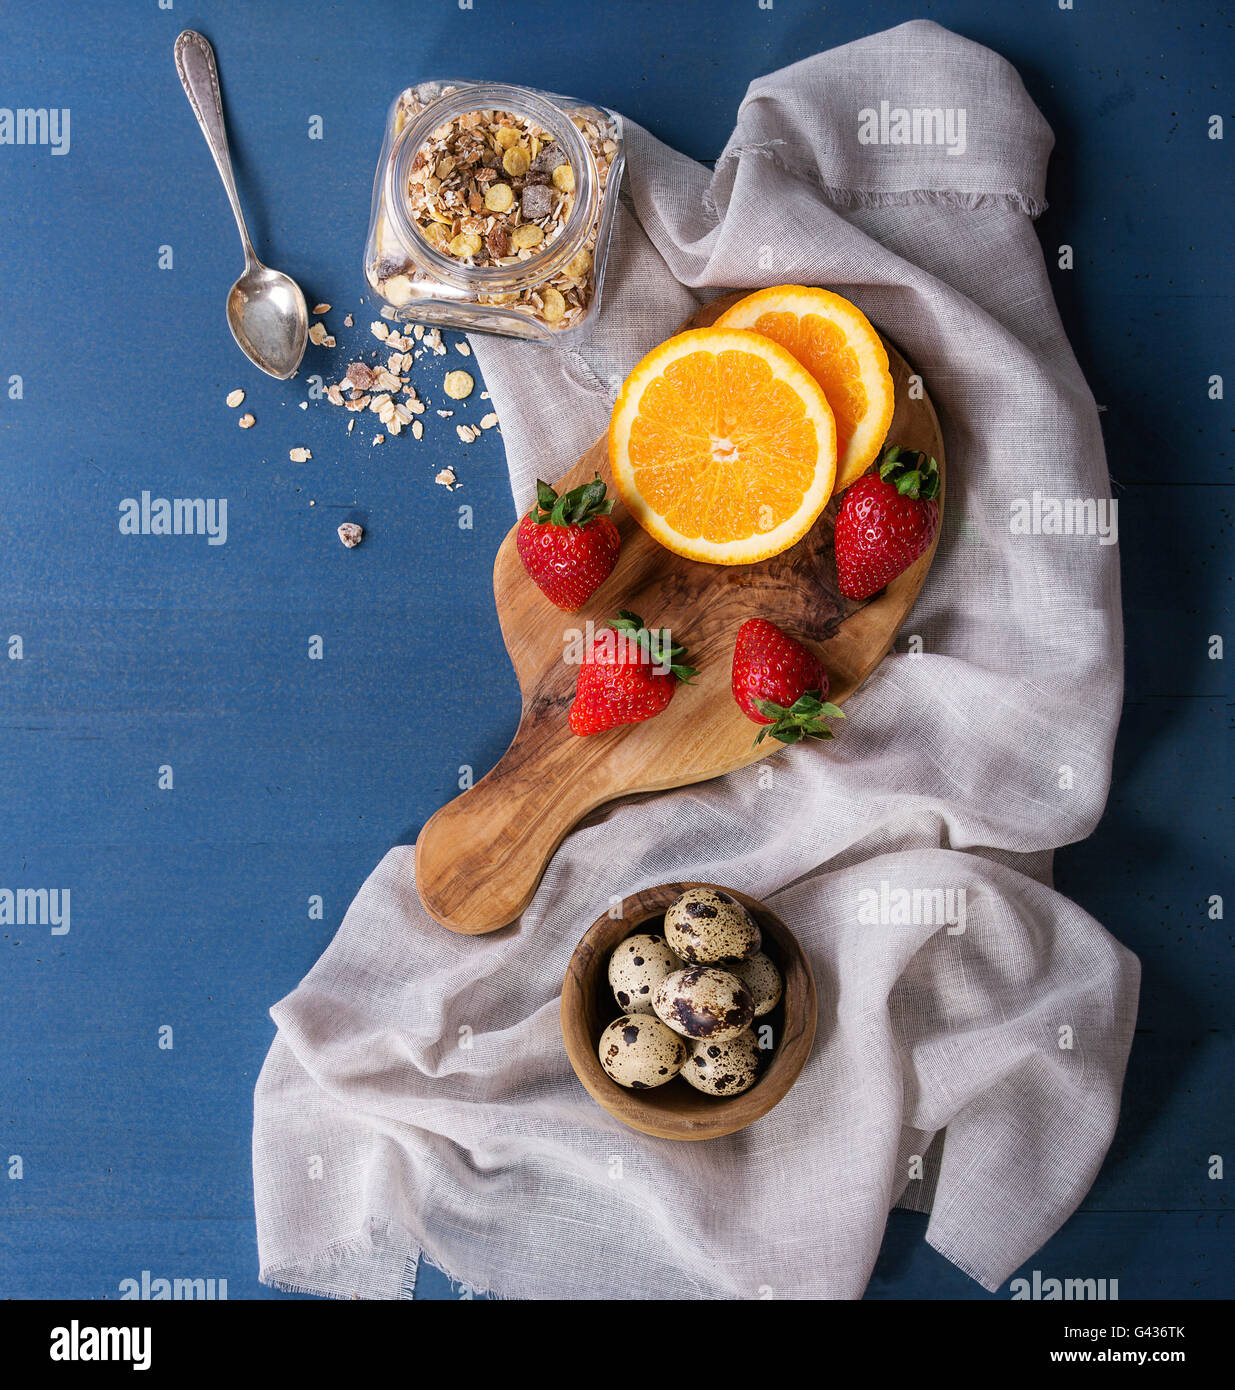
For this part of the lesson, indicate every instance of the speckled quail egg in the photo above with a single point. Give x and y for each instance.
(704, 925)
(637, 966)
(762, 978)
(639, 1052)
(703, 1002)
(723, 1068)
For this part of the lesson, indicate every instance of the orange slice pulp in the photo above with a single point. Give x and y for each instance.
(723, 447)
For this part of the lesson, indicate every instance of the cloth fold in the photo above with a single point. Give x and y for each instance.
(974, 1024)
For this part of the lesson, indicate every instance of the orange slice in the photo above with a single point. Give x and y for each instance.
(722, 446)
(834, 341)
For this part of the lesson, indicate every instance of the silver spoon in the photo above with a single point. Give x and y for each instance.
(265, 308)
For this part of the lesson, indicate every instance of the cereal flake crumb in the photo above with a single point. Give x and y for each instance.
(246, 422)
(299, 455)
(458, 385)
(351, 534)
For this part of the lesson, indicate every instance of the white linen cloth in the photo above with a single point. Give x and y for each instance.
(417, 1096)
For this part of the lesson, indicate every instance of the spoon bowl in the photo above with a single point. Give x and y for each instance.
(269, 319)
(266, 310)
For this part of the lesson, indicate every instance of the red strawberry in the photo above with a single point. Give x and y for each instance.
(628, 675)
(886, 520)
(778, 682)
(569, 544)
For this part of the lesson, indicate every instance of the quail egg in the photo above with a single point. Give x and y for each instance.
(705, 925)
(763, 980)
(702, 1002)
(723, 1068)
(639, 1052)
(637, 966)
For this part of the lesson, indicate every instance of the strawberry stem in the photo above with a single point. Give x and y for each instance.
(911, 472)
(803, 719)
(656, 644)
(572, 508)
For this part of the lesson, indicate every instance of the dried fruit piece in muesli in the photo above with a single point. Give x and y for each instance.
(537, 202)
(550, 156)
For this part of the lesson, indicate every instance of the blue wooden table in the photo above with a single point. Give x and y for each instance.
(173, 756)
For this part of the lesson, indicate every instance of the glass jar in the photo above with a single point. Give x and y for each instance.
(523, 186)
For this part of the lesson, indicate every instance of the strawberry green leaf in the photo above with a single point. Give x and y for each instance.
(655, 644)
(803, 719)
(911, 472)
(574, 508)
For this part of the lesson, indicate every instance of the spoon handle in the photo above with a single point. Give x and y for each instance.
(199, 76)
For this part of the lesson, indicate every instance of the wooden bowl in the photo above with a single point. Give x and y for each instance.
(676, 1110)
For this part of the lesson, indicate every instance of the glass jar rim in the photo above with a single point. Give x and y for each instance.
(520, 101)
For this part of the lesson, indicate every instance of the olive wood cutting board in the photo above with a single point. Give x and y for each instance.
(480, 858)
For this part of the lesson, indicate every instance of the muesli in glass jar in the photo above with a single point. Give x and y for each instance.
(493, 208)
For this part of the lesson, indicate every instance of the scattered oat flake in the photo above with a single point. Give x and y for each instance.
(418, 429)
(464, 348)
(467, 433)
(299, 455)
(321, 308)
(234, 398)
(458, 385)
(317, 334)
(446, 478)
(246, 422)
(488, 421)
(379, 330)
(351, 534)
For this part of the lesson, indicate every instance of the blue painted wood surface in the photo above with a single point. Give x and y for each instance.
(189, 906)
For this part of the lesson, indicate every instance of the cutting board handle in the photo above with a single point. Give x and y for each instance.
(501, 834)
